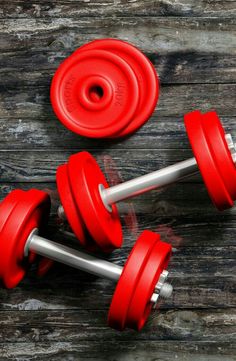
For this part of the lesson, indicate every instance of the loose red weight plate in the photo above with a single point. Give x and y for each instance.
(69, 204)
(27, 215)
(215, 136)
(140, 305)
(94, 93)
(144, 72)
(85, 178)
(129, 278)
(206, 162)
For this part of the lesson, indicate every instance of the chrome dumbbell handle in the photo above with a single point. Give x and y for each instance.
(86, 262)
(145, 183)
(157, 179)
(72, 257)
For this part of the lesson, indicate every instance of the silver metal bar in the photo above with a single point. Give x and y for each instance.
(87, 263)
(157, 179)
(73, 258)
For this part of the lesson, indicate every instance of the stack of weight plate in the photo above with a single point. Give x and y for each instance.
(105, 89)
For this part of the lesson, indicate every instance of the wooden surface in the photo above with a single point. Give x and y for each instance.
(63, 316)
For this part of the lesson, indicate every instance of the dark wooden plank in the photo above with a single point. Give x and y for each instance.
(117, 351)
(77, 291)
(72, 8)
(151, 34)
(64, 326)
(40, 166)
(158, 134)
(177, 67)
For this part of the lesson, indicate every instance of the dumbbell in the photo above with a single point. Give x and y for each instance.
(140, 283)
(89, 203)
(105, 89)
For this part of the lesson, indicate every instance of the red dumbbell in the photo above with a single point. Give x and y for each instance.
(107, 88)
(89, 203)
(141, 282)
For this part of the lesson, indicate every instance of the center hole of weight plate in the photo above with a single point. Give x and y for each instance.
(96, 93)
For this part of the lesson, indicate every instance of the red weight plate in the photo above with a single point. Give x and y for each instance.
(85, 178)
(94, 93)
(132, 270)
(71, 209)
(69, 204)
(140, 305)
(144, 72)
(213, 181)
(8, 204)
(27, 214)
(215, 136)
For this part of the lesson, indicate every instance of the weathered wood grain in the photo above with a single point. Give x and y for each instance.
(67, 326)
(63, 315)
(178, 67)
(72, 8)
(120, 351)
(159, 133)
(150, 34)
(189, 66)
(42, 165)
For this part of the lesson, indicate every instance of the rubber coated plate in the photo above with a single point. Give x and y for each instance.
(215, 136)
(209, 171)
(8, 204)
(144, 72)
(71, 209)
(85, 178)
(130, 276)
(69, 205)
(27, 214)
(140, 306)
(94, 93)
